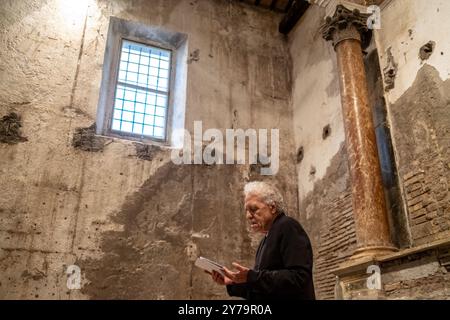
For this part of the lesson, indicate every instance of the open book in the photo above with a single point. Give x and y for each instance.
(209, 265)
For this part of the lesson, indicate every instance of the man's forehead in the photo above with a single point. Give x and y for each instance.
(252, 199)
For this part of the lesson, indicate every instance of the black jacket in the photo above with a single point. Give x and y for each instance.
(283, 266)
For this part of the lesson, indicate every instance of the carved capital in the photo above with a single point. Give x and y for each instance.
(346, 24)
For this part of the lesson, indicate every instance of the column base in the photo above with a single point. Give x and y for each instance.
(372, 252)
(353, 278)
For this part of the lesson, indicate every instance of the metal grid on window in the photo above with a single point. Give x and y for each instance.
(142, 91)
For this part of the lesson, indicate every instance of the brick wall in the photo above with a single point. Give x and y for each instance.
(326, 214)
(422, 275)
(421, 126)
(338, 242)
(426, 198)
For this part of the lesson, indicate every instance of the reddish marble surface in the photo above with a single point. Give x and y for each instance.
(371, 222)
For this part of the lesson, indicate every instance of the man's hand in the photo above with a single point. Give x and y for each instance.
(220, 279)
(239, 276)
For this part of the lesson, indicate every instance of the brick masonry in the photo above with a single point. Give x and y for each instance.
(327, 216)
(423, 275)
(421, 123)
(338, 241)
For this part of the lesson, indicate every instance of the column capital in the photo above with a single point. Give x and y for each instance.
(346, 24)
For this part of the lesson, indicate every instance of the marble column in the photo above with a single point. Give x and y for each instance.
(347, 29)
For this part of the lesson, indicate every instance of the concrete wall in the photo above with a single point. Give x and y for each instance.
(132, 220)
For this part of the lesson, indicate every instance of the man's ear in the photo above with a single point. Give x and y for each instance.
(273, 208)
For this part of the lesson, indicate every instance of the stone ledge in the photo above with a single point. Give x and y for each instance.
(360, 265)
(419, 249)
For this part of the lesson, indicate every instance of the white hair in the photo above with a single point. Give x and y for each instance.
(267, 193)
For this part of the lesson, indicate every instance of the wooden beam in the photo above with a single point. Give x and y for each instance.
(294, 14)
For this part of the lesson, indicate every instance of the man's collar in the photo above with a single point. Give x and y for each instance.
(278, 216)
(273, 222)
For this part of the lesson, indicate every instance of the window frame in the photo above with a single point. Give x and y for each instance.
(177, 43)
(110, 105)
(110, 108)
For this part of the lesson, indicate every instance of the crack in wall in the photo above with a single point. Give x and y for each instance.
(77, 70)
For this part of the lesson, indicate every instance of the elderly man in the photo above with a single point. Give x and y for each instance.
(284, 259)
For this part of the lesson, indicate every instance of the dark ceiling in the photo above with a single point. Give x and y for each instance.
(293, 10)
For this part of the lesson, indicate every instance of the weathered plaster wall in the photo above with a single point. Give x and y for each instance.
(109, 211)
(419, 110)
(126, 215)
(315, 98)
(418, 117)
(419, 113)
(407, 25)
(323, 179)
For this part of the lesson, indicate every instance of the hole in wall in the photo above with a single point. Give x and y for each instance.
(390, 71)
(300, 154)
(86, 139)
(10, 129)
(427, 50)
(326, 132)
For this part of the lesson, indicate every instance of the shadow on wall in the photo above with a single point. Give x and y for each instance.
(178, 214)
(397, 218)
